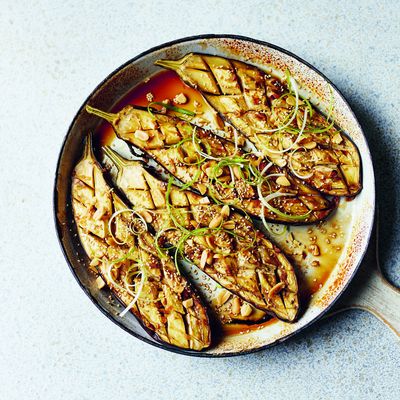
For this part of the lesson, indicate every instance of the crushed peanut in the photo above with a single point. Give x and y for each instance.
(188, 303)
(141, 135)
(245, 310)
(203, 259)
(222, 297)
(283, 181)
(180, 99)
(215, 222)
(236, 306)
(100, 283)
(225, 211)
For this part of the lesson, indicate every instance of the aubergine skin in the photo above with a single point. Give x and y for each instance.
(255, 103)
(238, 256)
(167, 305)
(158, 136)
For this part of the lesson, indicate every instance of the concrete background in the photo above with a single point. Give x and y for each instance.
(54, 344)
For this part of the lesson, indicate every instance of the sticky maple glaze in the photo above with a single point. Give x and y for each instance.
(329, 236)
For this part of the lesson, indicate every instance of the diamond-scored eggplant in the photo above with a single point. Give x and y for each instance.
(123, 253)
(284, 127)
(221, 242)
(210, 164)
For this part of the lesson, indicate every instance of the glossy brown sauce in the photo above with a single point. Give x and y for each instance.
(166, 85)
(240, 329)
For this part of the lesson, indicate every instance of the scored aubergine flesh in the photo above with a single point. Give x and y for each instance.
(128, 262)
(222, 243)
(177, 145)
(259, 106)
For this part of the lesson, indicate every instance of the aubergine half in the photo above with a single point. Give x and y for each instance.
(222, 243)
(285, 128)
(121, 249)
(217, 167)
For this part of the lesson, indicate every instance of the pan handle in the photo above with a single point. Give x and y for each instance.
(370, 291)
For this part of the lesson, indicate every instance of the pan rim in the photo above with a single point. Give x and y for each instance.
(167, 347)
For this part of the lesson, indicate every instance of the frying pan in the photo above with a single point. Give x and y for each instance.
(372, 293)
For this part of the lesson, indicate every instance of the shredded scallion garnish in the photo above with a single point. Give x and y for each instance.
(171, 107)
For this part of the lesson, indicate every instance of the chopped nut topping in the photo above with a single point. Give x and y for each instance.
(222, 297)
(209, 172)
(230, 225)
(245, 310)
(203, 259)
(225, 211)
(149, 96)
(283, 181)
(141, 135)
(204, 200)
(146, 216)
(310, 145)
(276, 289)
(100, 283)
(180, 99)
(236, 306)
(281, 162)
(215, 222)
(337, 138)
(236, 172)
(202, 188)
(188, 303)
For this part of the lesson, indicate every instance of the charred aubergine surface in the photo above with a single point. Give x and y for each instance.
(221, 242)
(284, 127)
(124, 255)
(219, 168)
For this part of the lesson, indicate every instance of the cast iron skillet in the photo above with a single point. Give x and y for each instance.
(119, 83)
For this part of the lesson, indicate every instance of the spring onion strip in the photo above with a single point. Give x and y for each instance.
(133, 212)
(292, 168)
(271, 175)
(111, 279)
(293, 85)
(158, 236)
(311, 111)
(170, 207)
(232, 175)
(172, 108)
(330, 103)
(266, 225)
(297, 139)
(266, 168)
(320, 130)
(196, 141)
(113, 263)
(192, 182)
(137, 295)
(265, 201)
(212, 192)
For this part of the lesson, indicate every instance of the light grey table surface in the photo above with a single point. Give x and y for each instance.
(54, 344)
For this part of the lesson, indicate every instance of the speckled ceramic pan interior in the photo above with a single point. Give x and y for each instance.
(360, 212)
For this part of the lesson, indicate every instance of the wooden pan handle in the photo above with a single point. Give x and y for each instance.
(370, 291)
